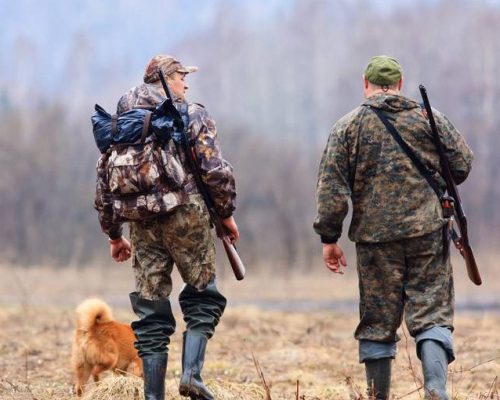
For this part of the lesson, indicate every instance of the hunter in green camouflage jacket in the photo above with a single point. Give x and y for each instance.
(398, 226)
(362, 161)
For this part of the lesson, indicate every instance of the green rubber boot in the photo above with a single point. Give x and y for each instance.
(378, 378)
(153, 330)
(154, 370)
(193, 357)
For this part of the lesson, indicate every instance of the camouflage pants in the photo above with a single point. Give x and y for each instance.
(183, 238)
(406, 276)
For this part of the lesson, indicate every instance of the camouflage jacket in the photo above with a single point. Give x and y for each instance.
(217, 173)
(363, 162)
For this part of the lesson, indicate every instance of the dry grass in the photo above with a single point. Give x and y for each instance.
(316, 349)
(131, 388)
(302, 355)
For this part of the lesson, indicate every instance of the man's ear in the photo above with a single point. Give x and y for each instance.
(400, 83)
(365, 82)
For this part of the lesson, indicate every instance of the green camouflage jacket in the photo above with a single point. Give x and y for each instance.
(217, 173)
(363, 162)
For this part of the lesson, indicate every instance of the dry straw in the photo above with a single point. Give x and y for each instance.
(131, 388)
(115, 387)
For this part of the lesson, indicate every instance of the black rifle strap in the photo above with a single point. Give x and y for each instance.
(409, 152)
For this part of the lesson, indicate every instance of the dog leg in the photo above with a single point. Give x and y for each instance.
(82, 372)
(136, 367)
(98, 369)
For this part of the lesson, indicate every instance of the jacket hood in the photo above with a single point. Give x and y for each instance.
(390, 102)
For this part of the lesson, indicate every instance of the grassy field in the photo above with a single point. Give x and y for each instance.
(309, 351)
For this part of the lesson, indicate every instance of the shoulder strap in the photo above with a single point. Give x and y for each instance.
(409, 152)
(144, 107)
(114, 121)
(145, 126)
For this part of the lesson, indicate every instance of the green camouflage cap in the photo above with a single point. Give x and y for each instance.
(168, 66)
(383, 70)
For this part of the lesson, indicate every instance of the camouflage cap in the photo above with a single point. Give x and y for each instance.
(383, 70)
(168, 65)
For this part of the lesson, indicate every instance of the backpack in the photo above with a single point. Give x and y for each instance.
(139, 168)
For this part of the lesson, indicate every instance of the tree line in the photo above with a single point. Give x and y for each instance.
(275, 87)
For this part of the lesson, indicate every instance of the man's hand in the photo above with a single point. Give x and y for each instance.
(232, 229)
(120, 249)
(334, 258)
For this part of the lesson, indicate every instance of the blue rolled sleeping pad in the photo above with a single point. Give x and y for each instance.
(129, 126)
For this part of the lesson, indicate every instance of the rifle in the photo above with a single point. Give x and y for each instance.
(461, 241)
(181, 121)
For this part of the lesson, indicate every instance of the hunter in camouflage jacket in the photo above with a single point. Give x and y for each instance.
(217, 173)
(362, 161)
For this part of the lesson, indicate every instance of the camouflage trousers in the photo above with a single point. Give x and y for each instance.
(182, 237)
(406, 277)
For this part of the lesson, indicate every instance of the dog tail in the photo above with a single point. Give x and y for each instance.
(91, 312)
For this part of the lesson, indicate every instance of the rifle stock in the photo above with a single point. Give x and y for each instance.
(221, 231)
(470, 264)
(234, 259)
(232, 254)
(463, 245)
(461, 242)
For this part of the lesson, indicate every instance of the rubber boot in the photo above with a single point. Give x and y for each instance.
(202, 309)
(155, 325)
(153, 330)
(154, 370)
(378, 378)
(193, 357)
(435, 368)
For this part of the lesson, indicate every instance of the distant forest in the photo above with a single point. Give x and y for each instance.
(275, 87)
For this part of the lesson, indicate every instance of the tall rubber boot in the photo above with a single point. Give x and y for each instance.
(154, 370)
(202, 309)
(435, 368)
(155, 325)
(193, 357)
(378, 378)
(153, 330)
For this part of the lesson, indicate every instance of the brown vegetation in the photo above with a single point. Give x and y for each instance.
(309, 352)
(315, 349)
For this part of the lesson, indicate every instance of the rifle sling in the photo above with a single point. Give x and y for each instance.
(424, 171)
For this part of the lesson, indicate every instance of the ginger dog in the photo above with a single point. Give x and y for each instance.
(101, 344)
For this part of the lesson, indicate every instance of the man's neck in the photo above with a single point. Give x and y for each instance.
(382, 91)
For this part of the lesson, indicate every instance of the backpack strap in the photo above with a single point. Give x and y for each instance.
(424, 171)
(145, 127)
(144, 107)
(114, 124)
